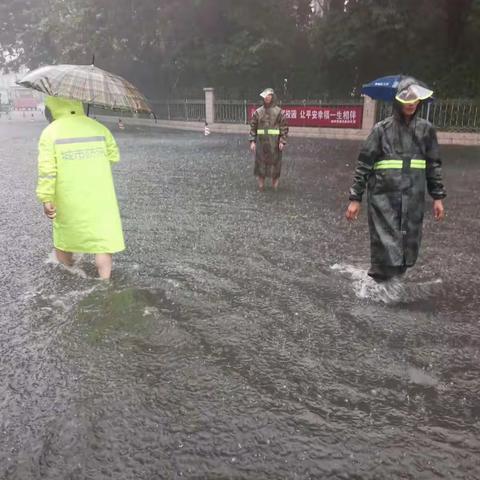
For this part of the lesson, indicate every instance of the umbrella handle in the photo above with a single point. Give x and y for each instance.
(88, 105)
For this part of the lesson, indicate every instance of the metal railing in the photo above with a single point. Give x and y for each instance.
(186, 110)
(446, 115)
(94, 111)
(231, 111)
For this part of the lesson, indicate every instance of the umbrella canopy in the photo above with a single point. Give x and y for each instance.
(384, 88)
(88, 84)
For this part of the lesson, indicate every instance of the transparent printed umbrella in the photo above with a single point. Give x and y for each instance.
(88, 84)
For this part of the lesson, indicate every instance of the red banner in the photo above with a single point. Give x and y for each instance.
(343, 116)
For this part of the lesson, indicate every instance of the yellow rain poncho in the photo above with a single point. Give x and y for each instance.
(75, 153)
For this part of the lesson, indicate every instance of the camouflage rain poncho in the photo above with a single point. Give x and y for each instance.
(397, 163)
(268, 128)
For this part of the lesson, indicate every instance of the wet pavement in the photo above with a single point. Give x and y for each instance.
(240, 337)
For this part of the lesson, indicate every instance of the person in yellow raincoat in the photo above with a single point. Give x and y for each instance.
(75, 184)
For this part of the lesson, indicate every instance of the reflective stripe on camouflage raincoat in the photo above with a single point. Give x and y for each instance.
(74, 173)
(268, 128)
(396, 163)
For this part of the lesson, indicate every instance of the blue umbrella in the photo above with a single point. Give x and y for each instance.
(384, 88)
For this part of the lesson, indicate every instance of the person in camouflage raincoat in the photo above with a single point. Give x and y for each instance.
(268, 137)
(398, 162)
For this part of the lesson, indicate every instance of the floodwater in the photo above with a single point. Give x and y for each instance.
(240, 337)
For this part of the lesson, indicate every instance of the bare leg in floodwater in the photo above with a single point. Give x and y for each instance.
(104, 262)
(261, 183)
(65, 258)
(275, 182)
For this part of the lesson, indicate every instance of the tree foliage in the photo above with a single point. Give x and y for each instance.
(172, 48)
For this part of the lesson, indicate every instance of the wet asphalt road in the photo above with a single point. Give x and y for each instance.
(239, 337)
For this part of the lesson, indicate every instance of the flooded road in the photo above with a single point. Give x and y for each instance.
(240, 337)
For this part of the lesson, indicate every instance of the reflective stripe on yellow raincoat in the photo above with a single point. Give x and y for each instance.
(74, 174)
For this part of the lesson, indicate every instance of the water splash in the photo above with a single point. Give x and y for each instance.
(67, 302)
(74, 269)
(396, 290)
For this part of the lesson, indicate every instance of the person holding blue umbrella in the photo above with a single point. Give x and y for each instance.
(397, 164)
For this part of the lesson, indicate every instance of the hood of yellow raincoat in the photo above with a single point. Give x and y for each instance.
(62, 107)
